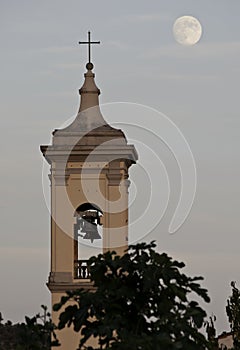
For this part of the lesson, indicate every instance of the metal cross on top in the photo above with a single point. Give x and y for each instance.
(89, 42)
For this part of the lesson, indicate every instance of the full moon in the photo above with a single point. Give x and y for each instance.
(187, 30)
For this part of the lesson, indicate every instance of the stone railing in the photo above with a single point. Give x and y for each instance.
(81, 270)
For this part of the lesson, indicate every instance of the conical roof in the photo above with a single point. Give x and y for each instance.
(89, 120)
(89, 129)
(89, 116)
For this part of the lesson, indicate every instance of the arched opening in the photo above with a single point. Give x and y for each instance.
(88, 217)
(87, 236)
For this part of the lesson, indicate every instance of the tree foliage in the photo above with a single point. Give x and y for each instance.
(211, 333)
(233, 313)
(138, 301)
(34, 334)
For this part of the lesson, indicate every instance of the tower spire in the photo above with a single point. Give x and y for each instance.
(89, 91)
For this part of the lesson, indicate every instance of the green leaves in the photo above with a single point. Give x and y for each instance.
(140, 301)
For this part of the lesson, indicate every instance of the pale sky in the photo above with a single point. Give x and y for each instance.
(138, 61)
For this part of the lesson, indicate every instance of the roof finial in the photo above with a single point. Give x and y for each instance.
(89, 65)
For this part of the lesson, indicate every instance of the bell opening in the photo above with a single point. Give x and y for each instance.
(88, 222)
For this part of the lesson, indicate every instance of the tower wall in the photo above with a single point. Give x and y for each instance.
(71, 186)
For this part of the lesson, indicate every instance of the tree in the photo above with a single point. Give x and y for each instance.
(34, 334)
(138, 301)
(233, 313)
(211, 333)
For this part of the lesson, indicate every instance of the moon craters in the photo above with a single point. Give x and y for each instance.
(187, 30)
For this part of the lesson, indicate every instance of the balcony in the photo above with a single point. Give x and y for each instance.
(81, 269)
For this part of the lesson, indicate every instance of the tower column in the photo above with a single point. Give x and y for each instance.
(116, 220)
(61, 226)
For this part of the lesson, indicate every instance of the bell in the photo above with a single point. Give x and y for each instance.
(91, 231)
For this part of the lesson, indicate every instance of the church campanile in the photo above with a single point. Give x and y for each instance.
(89, 162)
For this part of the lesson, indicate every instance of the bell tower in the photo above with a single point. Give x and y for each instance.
(89, 162)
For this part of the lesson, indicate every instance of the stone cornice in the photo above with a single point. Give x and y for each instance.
(68, 153)
(63, 287)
